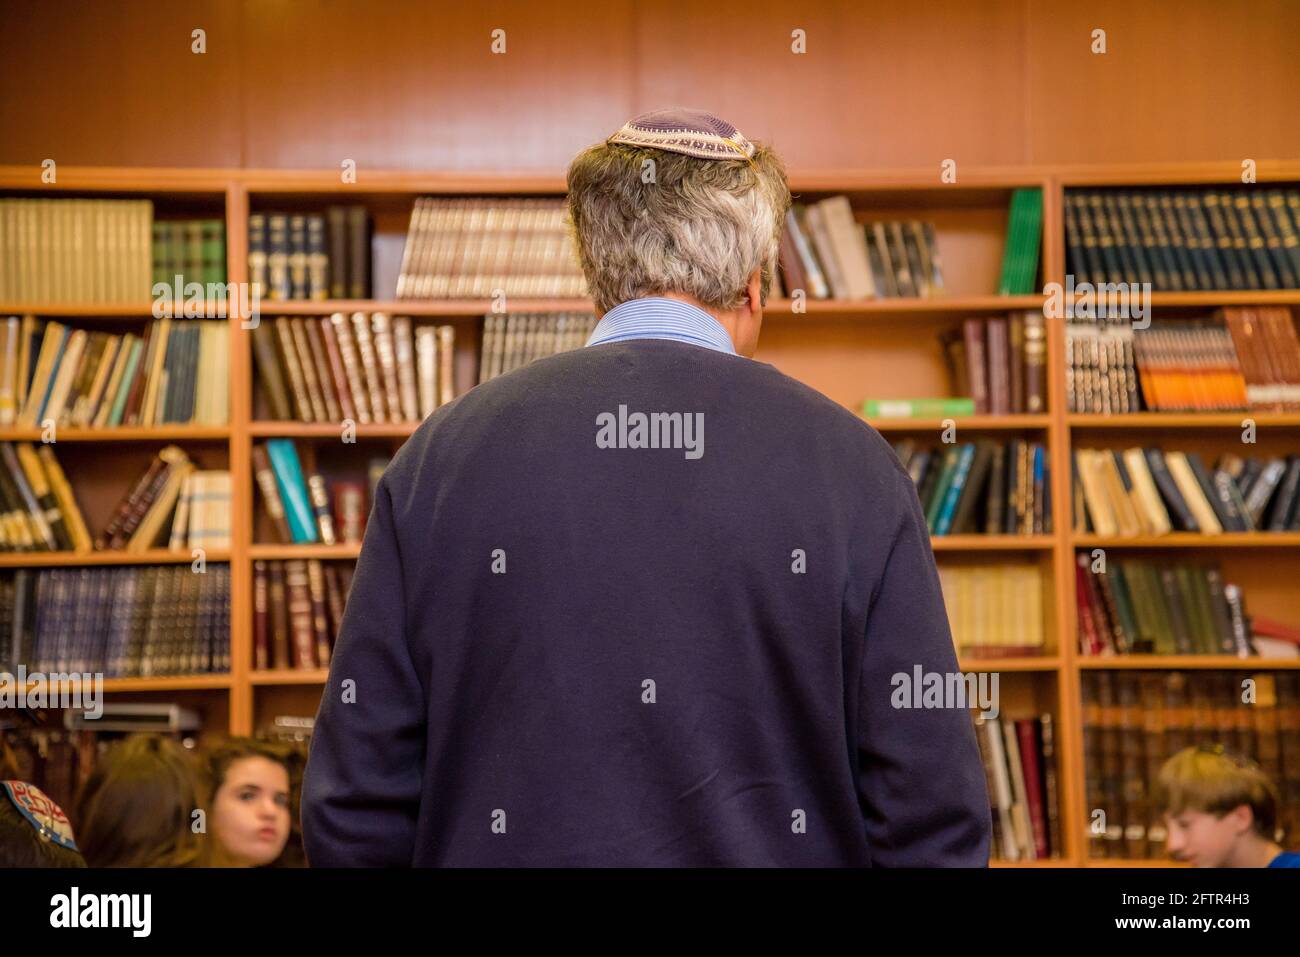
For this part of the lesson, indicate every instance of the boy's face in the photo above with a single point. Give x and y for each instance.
(1202, 839)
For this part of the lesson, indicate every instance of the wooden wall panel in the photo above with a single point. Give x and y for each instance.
(881, 85)
(1191, 80)
(116, 84)
(407, 85)
(412, 85)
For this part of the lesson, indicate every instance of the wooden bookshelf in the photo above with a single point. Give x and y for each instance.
(154, 556)
(848, 350)
(1193, 540)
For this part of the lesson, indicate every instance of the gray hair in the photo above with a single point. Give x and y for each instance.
(647, 222)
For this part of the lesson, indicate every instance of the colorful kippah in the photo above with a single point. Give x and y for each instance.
(689, 132)
(40, 812)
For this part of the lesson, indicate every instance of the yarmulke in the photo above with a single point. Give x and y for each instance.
(689, 132)
(40, 812)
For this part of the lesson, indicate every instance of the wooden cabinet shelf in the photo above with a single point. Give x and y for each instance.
(1189, 662)
(330, 430)
(273, 552)
(1193, 540)
(154, 556)
(1183, 420)
(154, 433)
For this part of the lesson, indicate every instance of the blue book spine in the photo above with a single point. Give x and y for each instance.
(1041, 485)
(293, 490)
(959, 475)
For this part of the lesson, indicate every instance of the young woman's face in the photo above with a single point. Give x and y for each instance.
(250, 814)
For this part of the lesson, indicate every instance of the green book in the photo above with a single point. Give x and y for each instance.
(214, 251)
(1015, 217)
(193, 267)
(161, 253)
(917, 408)
(1030, 236)
(1020, 255)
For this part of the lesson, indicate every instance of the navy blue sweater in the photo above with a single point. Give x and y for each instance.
(558, 653)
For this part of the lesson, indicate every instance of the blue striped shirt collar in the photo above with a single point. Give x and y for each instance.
(658, 317)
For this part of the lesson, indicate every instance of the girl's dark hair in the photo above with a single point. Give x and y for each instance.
(137, 807)
(222, 755)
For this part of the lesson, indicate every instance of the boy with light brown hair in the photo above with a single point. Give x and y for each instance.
(1221, 810)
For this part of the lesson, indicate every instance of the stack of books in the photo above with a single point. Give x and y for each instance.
(1242, 358)
(40, 512)
(172, 503)
(1019, 756)
(994, 611)
(192, 249)
(176, 372)
(1000, 362)
(1150, 491)
(364, 368)
(294, 255)
(297, 611)
(512, 341)
(475, 248)
(1185, 239)
(1136, 606)
(828, 254)
(983, 486)
(123, 622)
(302, 506)
(76, 250)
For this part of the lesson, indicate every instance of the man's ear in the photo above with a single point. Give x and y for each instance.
(754, 290)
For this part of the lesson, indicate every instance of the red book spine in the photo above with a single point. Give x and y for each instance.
(1026, 734)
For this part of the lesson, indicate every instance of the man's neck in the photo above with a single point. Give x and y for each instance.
(729, 319)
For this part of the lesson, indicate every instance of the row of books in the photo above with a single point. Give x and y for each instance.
(76, 250)
(302, 507)
(1150, 491)
(137, 621)
(172, 504)
(364, 368)
(1020, 772)
(297, 611)
(297, 256)
(193, 249)
(177, 371)
(1133, 721)
(981, 487)
(1201, 239)
(1243, 358)
(475, 247)
(1000, 362)
(827, 253)
(514, 340)
(1144, 607)
(994, 610)
(40, 512)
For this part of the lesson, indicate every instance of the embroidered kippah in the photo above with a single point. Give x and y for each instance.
(40, 812)
(689, 132)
